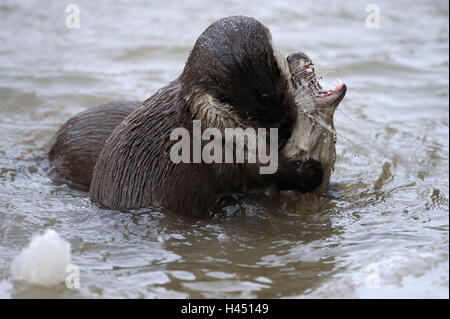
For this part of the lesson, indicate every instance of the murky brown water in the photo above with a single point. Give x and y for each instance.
(388, 206)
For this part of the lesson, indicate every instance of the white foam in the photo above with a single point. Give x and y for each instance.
(222, 238)
(44, 261)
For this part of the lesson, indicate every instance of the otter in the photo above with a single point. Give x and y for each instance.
(314, 134)
(77, 144)
(233, 77)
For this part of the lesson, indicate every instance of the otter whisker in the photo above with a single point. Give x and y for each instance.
(322, 123)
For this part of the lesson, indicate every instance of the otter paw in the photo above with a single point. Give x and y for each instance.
(311, 175)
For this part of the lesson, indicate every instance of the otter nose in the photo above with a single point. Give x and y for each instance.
(292, 56)
(297, 55)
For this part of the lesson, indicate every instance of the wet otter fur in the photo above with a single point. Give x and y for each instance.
(79, 141)
(233, 78)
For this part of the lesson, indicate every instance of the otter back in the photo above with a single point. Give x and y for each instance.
(79, 141)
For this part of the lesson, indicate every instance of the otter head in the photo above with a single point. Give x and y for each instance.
(234, 77)
(314, 135)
